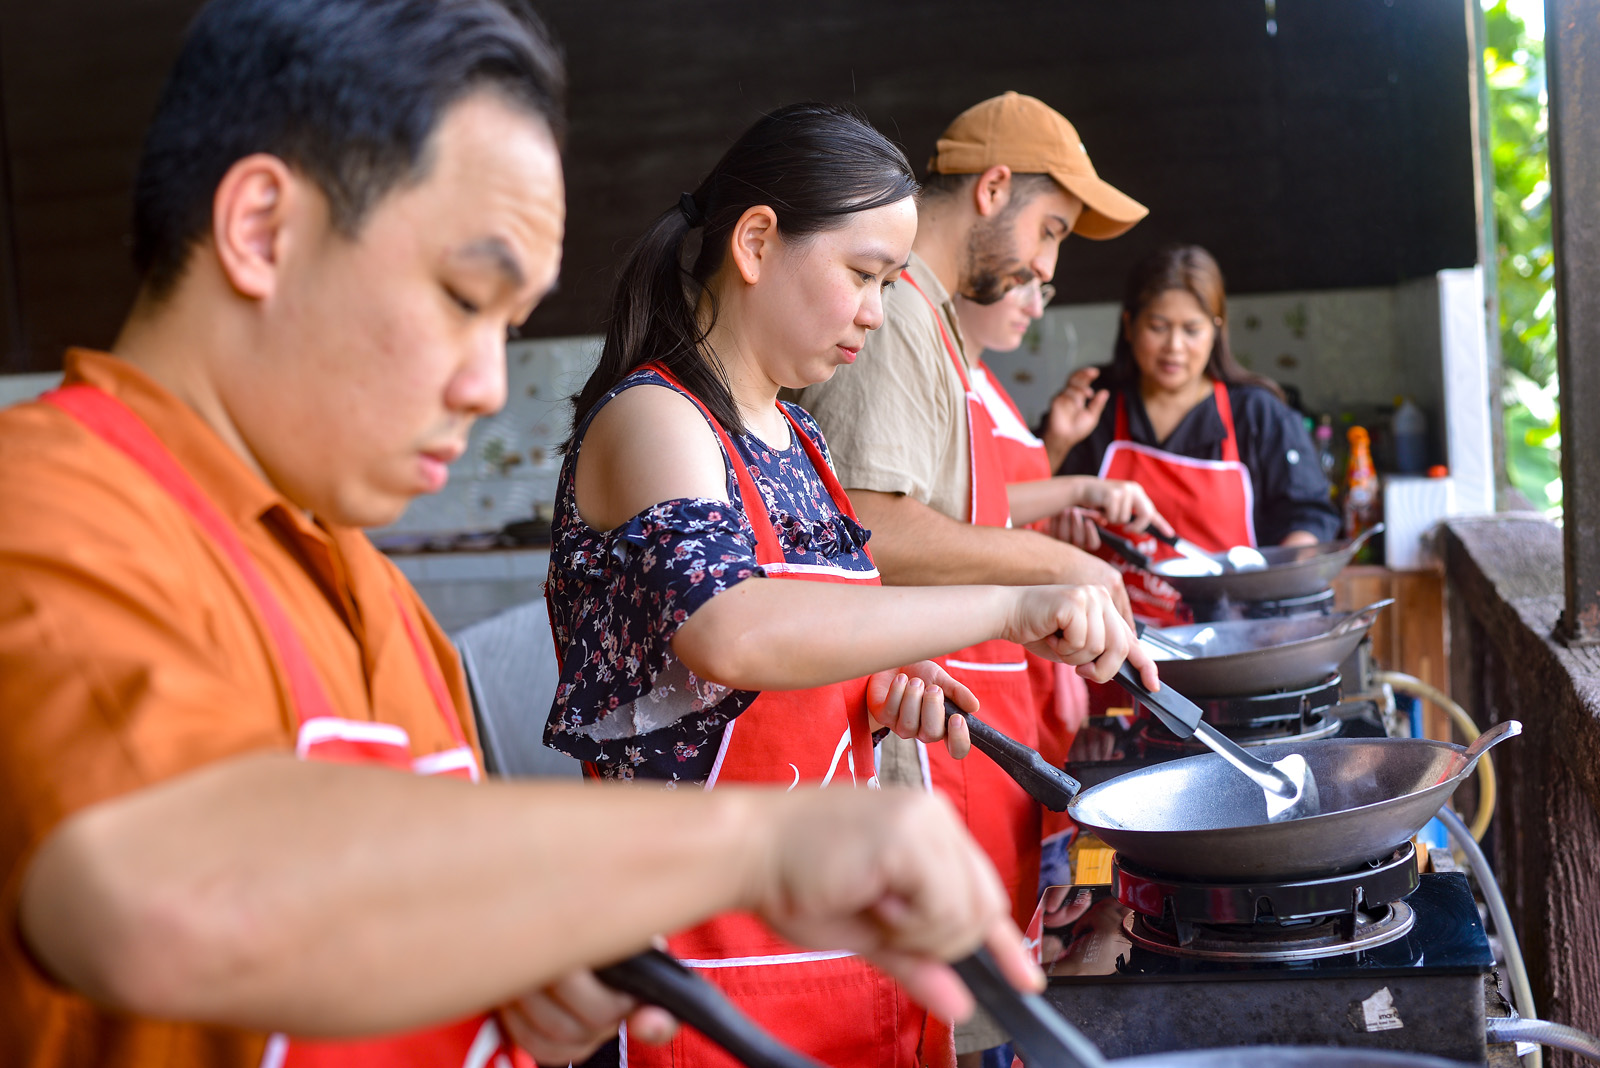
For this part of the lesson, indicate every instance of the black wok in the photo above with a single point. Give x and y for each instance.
(1254, 656)
(1199, 818)
(1290, 572)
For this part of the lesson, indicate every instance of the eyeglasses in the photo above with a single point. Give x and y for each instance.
(1024, 293)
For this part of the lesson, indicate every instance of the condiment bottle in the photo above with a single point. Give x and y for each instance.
(1360, 484)
(1410, 429)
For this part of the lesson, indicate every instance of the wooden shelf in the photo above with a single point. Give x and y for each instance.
(1410, 636)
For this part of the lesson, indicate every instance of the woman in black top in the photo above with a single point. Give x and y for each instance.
(1171, 353)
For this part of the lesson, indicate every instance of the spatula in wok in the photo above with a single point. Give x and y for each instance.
(1291, 792)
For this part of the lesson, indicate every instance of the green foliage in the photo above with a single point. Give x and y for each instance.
(1519, 147)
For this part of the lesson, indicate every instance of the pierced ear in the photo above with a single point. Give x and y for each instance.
(248, 222)
(992, 191)
(754, 238)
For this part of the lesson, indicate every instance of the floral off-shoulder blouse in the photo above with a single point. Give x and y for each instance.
(617, 597)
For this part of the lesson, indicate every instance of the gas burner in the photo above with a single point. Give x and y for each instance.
(1266, 942)
(1155, 741)
(1284, 713)
(1288, 920)
(1311, 604)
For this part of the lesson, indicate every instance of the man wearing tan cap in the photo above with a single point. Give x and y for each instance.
(919, 452)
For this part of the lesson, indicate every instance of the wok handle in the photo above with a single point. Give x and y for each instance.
(1124, 548)
(1361, 539)
(1486, 741)
(1044, 782)
(1362, 618)
(1042, 1034)
(655, 977)
(1176, 712)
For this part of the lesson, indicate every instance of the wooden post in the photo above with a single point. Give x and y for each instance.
(1572, 61)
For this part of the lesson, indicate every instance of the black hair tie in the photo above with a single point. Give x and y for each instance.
(691, 210)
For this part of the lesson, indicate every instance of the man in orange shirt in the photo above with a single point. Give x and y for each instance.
(211, 679)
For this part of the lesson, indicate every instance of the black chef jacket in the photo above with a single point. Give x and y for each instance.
(1290, 491)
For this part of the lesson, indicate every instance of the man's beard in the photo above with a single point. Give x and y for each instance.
(990, 267)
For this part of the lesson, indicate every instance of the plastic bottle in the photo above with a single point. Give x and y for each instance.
(1360, 485)
(1325, 455)
(1410, 431)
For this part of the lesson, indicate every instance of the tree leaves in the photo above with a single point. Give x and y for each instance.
(1520, 154)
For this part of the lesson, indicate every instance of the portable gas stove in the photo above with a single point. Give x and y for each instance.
(1315, 711)
(1379, 958)
(1310, 604)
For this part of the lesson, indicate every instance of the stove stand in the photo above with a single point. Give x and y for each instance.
(1222, 609)
(1289, 920)
(1420, 991)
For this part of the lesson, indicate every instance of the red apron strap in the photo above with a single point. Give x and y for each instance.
(949, 342)
(114, 423)
(1230, 441)
(430, 672)
(768, 551)
(1120, 426)
(841, 499)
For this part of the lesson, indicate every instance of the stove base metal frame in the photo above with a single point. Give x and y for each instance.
(1441, 1015)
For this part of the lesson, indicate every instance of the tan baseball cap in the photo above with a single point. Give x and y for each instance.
(1031, 137)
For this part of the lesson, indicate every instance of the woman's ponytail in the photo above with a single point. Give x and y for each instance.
(814, 165)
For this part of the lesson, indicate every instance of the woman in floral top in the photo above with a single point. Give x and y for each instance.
(685, 479)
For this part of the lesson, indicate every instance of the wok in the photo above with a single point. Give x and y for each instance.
(1253, 656)
(1198, 818)
(1290, 572)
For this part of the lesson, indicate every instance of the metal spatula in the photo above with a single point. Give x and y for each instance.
(1290, 789)
(1210, 563)
(1173, 648)
(1043, 1035)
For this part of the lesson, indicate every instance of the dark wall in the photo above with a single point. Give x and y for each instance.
(78, 80)
(1336, 152)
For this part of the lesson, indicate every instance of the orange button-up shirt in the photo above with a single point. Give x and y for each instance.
(130, 652)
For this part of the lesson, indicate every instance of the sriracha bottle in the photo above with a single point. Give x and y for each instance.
(1360, 485)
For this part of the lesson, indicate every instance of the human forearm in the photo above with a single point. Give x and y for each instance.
(915, 545)
(327, 899)
(1056, 447)
(767, 634)
(1045, 497)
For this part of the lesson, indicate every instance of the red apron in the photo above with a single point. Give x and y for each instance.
(830, 1004)
(998, 812)
(321, 735)
(1060, 694)
(1210, 502)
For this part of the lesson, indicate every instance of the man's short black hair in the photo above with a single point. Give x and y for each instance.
(348, 92)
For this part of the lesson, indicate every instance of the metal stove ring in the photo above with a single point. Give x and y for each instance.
(1157, 737)
(1395, 922)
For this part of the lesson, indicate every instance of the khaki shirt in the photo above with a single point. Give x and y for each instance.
(896, 419)
(131, 653)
